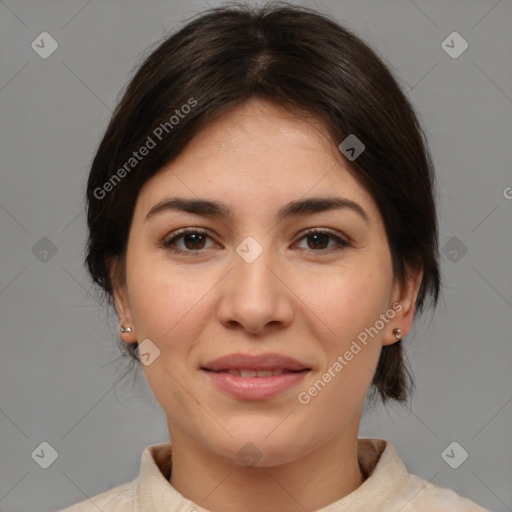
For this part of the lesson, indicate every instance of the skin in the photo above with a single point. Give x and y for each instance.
(301, 297)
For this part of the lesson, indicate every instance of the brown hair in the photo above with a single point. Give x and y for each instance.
(297, 58)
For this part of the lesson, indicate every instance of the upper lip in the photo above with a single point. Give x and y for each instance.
(257, 362)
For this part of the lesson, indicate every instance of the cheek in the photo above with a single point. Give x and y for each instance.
(347, 306)
(345, 302)
(162, 296)
(165, 304)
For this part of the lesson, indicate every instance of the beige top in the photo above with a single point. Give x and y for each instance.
(388, 488)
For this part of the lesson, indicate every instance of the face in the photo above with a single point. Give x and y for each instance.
(261, 287)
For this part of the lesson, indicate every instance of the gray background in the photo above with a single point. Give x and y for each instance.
(61, 378)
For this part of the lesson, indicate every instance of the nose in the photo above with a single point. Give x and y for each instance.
(254, 295)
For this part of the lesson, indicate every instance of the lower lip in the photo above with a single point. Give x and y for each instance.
(255, 388)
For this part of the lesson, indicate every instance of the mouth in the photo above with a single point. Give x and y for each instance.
(261, 362)
(255, 377)
(248, 373)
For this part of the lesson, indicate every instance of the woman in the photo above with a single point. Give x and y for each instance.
(261, 213)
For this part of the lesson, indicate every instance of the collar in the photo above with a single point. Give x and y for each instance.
(379, 462)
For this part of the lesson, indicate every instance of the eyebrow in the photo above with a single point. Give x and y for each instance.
(296, 208)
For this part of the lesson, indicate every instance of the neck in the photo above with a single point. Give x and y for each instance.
(311, 482)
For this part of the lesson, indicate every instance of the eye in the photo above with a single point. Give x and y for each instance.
(194, 241)
(321, 237)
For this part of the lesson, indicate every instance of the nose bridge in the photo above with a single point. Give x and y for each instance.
(252, 271)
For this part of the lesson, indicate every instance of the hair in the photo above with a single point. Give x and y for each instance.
(297, 59)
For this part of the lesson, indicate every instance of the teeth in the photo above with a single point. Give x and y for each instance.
(264, 373)
(254, 373)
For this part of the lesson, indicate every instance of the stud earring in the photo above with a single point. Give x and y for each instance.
(398, 334)
(122, 328)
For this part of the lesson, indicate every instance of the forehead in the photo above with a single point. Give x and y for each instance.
(254, 156)
(257, 127)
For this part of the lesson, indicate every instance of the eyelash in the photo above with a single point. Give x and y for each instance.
(168, 244)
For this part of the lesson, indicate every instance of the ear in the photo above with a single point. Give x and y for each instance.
(121, 300)
(403, 303)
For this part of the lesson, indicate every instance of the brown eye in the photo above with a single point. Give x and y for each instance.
(320, 241)
(193, 241)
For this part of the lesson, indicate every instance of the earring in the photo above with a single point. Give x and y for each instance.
(398, 334)
(122, 328)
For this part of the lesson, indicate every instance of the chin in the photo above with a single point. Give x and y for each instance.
(263, 445)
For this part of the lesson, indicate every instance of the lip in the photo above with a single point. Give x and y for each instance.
(255, 388)
(257, 362)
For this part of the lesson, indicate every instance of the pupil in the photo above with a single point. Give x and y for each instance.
(318, 235)
(194, 243)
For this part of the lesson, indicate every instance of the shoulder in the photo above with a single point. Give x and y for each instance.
(418, 495)
(118, 499)
(394, 488)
